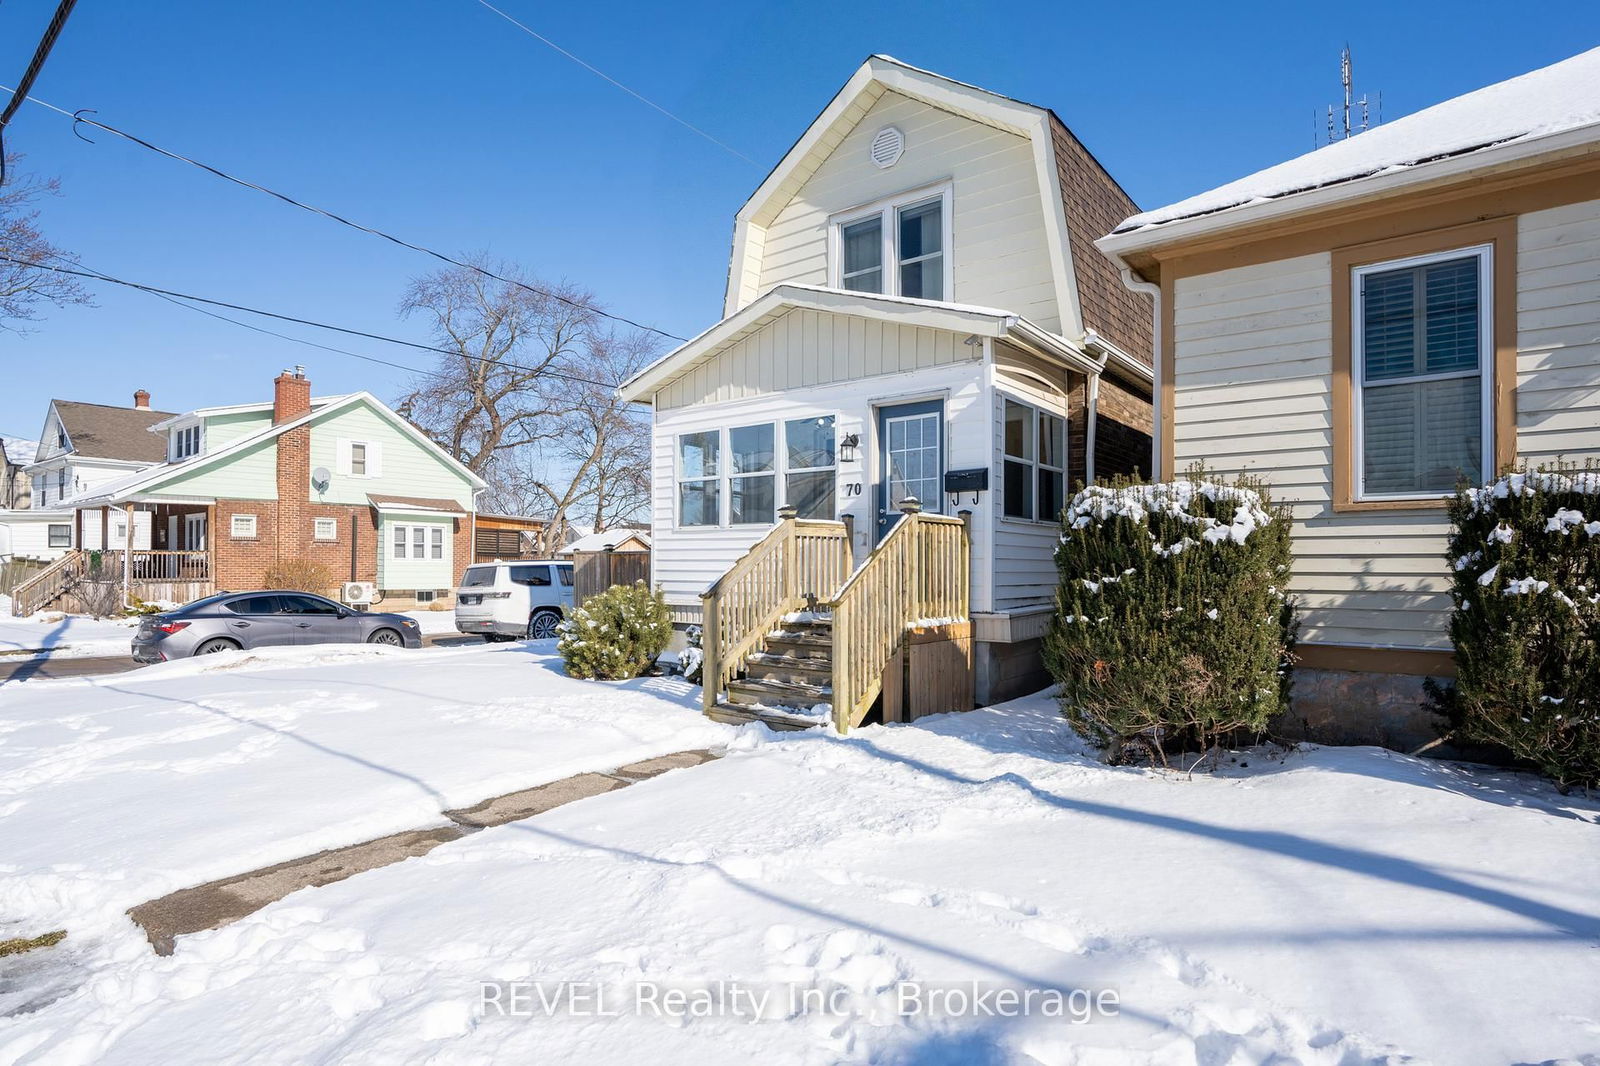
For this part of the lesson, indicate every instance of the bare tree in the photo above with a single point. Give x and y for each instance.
(23, 288)
(527, 399)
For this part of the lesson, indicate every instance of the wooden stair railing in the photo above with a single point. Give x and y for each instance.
(799, 558)
(45, 587)
(920, 571)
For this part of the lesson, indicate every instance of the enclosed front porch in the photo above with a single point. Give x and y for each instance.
(123, 555)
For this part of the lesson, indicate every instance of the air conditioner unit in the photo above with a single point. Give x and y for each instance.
(359, 592)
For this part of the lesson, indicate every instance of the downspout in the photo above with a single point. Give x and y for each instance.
(472, 527)
(1092, 407)
(1152, 290)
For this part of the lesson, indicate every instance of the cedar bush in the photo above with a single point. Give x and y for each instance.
(301, 575)
(616, 634)
(1172, 626)
(1525, 556)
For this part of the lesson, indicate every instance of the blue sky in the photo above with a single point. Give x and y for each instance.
(441, 122)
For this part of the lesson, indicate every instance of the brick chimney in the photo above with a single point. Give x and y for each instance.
(291, 396)
(141, 400)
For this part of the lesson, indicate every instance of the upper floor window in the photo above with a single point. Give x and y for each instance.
(1420, 343)
(358, 459)
(898, 247)
(185, 442)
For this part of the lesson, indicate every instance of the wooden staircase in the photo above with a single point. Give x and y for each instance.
(50, 584)
(795, 637)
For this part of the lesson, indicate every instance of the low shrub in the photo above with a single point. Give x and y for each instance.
(692, 661)
(616, 634)
(1173, 628)
(302, 575)
(1524, 553)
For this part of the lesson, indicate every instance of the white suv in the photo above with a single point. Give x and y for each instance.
(504, 601)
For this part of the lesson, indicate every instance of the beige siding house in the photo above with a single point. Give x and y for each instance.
(915, 309)
(1366, 324)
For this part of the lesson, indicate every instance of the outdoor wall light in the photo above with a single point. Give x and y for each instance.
(847, 447)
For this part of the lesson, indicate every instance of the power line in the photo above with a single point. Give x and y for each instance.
(81, 117)
(35, 65)
(602, 74)
(173, 295)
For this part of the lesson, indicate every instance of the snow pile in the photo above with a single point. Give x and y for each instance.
(1529, 482)
(1555, 99)
(63, 635)
(1174, 499)
(816, 900)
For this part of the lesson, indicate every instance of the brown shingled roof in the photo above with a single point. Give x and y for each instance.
(1095, 204)
(101, 432)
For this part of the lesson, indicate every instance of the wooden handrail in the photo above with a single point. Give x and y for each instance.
(47, 584)
(918, 572)
(798, 558)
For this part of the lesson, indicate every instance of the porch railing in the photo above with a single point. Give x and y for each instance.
(919, 572)
(45, 587)
(160, 565)
(800, 557)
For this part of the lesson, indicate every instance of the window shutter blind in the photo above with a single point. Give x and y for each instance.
(341, 455)
(374, 459)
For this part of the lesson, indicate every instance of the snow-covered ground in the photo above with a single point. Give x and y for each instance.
(62, 635)
(118, 789)
(1324, 906)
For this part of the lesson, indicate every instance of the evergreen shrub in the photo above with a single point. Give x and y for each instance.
(616, 634)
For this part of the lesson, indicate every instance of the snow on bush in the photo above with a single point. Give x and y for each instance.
(692, 660)
(616, 634)
(1172, 626)
(1524, 555)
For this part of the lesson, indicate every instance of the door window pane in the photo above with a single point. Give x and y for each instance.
(861, 249)
(254, 605)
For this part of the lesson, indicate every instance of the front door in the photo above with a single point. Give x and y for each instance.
(194, 532)
(911, 463)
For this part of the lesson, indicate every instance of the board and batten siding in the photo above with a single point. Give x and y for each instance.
(1253, 393)
(803, 348)
(688, 559)
(999, 256)
(1558, 333)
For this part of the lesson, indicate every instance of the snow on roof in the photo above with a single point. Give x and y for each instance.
(1559, 98)
(598, 542)
(19, 450)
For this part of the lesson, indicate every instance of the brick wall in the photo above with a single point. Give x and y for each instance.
(1122, 432)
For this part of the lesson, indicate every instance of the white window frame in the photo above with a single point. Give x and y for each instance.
(185, 442)
(249, 521)
(371, 458)
(1035, 462)
(399, 539)
(436, 542)
(887, 210)
(320, 524)
(1485, 371)
(50, 534)
(363, 460)
(724, 478)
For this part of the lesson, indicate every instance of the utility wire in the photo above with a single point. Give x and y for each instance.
(35, 65)
(81, 117)
(602, 74)
(172, 295)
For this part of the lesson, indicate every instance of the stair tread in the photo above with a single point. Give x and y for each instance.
(790, 636)
(799, 662)
(780, 688)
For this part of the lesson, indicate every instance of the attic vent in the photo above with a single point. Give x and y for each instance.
(887, 145)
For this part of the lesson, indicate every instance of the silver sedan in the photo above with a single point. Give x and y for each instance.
(273, 618)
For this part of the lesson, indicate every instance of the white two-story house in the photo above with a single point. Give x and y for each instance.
(914, 309)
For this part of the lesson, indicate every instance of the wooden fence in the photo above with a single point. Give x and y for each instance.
(594, 572)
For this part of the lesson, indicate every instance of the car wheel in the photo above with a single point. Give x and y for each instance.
(386, 636)
(542, 625)
(216, 644)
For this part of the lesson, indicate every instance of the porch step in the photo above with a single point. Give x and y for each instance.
(731, 714)
(794, 644)
(752, 692)
(805, 669)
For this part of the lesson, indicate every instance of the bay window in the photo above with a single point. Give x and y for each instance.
(1421, 358)
(1033, 481)
(897, 247)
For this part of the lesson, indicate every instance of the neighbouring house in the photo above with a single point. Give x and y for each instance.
(614, 540)
(16, 488)
(1367, 324)
(84, 445)
(916, 321)
(342, 481)
(504, 536)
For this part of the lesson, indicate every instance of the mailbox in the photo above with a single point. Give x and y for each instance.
(974, 480)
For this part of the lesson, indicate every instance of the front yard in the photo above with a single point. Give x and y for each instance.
(823, 899)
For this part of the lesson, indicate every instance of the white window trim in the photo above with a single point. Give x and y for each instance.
(780, 470)
(402, 542)
(319, 524)
(372, 458)
(1358, 365)
(1035, 464)
(50, 533)
(944, 192)
(233, 527)
(176, 436)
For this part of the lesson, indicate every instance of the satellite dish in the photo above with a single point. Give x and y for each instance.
(320, 479)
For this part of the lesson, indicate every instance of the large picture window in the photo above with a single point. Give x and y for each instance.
(1035, 457)
(1421, 355)
(898, 247)
(756, 469)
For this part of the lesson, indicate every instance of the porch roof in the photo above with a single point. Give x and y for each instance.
(936, 314)
(442, 508)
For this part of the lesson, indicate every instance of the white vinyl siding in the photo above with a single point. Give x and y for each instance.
(1253, 392)
(802, 348)
(1023, 549)
(998, 256)
(1558, 333)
